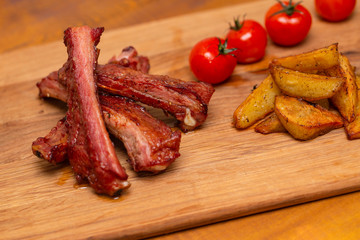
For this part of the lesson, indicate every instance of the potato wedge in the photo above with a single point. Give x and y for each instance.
(305, 85)
(332, 72)
(257, 105)
(305, 121)
(345, 99)
(353, 129)
(312, 61)
(270, 124)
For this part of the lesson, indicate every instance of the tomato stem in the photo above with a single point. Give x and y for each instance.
(237, 24)
(223, 50)
(288, 9)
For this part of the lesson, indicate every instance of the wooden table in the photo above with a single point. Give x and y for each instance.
(29, 23)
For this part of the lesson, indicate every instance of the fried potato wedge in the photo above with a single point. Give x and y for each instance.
(332, 72)
(353, 128)
(312, 61)
(257, 105)
(305, 121)
(270, 124)
(346, 98)
(305, 85)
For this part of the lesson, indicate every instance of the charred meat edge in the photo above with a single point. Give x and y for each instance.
(53, 147)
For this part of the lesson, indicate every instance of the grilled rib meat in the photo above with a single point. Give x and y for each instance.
(52, 147)
(129, 58)
(90, 151)
(151, 145)
(186, 101)
(51, 86)
(127, 75)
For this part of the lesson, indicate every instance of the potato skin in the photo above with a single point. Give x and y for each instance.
(257, 105)
(346, 98)
(270, 124)
(305, 85)
(353, 128)
(305, 121)
(312, 61)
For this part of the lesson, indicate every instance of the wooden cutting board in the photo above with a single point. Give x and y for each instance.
(222, 173)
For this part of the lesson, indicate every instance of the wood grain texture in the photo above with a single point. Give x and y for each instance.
(35, 22)
(223, 173)
(305, 221)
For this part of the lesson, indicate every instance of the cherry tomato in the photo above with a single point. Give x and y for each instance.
(334, 10)
(250, 40)
(211, 61)
(287, 24)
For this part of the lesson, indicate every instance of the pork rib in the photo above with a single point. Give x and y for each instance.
(127, 75)
(151, 145)
(90, 150)
(186, 101)
(51, 86)
(53, 147)
(129, 58)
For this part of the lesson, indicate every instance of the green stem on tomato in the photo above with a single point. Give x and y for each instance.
(288, 9)
(237, 24)
(223, 50)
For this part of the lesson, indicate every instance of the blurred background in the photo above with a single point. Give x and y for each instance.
(31, 22)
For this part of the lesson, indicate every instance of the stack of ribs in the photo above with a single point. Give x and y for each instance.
(102, 98)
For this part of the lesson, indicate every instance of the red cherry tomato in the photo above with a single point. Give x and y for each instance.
(250, 40)
(211, 61)
(287, 24)
(334, 10)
